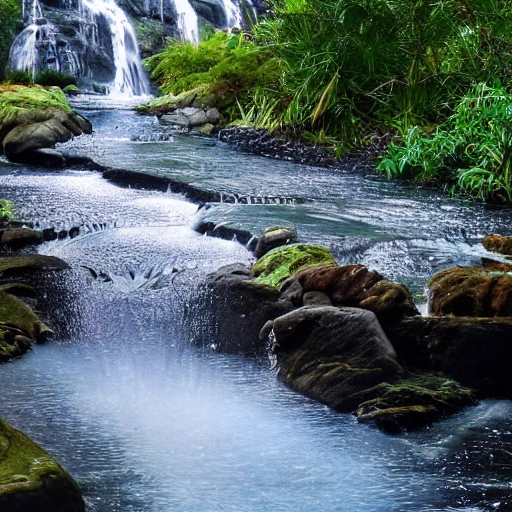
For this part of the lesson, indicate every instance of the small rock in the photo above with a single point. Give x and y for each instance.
(16, 239)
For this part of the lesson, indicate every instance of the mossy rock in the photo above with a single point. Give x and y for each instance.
(34, 117)
(499, 244)
(71, 89)
(415, 402)
(283, 262)
(15, 313)
(31, 480)
(471, 291)
(21, 265)
(198, 97)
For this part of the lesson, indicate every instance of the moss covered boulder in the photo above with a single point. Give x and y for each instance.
(275, 267)
(353, 286)
(31, 480)
(33, 118)
(414, 402)
(471, 291)
(498, 243)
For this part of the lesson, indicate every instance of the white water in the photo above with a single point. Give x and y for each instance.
(129, 79)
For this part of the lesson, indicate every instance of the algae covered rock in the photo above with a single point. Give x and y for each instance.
(33, 118)
(28, 264)
(338, 356)
(498, 243)
(279, 264)
(414, 402)
(31, 480)
(471, 291)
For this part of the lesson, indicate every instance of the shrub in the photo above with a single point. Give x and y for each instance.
(471, 150)
(10, 17)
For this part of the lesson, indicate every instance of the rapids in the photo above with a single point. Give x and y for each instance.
(148, 422)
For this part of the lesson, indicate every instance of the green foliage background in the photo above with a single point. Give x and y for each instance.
(10, 16)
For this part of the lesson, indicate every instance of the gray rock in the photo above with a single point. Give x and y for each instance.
(338, 356)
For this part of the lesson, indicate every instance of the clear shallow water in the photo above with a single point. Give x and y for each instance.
(404, 233)
(148, 423)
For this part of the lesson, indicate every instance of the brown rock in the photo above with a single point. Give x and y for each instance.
(498, 243)
(471, 291)
(18, 238)
(346, 285)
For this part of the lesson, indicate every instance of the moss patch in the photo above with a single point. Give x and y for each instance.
(30, 479)
(198, 97)
(24, 105)
(279, 264)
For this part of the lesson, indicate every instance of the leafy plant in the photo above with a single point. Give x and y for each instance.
(10, 17)
(6, 211)
(472, 149)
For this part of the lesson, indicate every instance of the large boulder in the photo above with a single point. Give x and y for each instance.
(477, 352)
(33, 118)
(471, 291)
(229, 309)
(353, 286)
(31, 480)
(339, 356)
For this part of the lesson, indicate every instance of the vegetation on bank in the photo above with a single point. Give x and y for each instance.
(341, 72)
(10, 16)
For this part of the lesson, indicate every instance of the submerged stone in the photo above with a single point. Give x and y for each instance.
(414, 402)
(31, 480)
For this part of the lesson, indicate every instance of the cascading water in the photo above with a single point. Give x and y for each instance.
(90, 39)
(129, 76)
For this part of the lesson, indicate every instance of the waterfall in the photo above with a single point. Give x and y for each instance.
(129, 76)
(187, 21)
(94, 42)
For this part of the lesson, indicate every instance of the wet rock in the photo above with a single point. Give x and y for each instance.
(191, 117)
(414, 402)
(230, 308)
(390, 301)
(279, 264)
(316, 299)
(16, 239)
(21, 265)
(477, 352)
(498, 243)
(33, 118)
(31, 479)
(353, 286)
(471, 291)
(338, 356)
(274, 237)
(15, 313)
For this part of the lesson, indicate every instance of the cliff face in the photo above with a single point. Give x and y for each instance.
(101, 41)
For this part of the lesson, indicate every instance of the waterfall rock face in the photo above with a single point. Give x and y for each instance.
(94, 40)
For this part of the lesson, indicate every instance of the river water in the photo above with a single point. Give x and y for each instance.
(147, 422)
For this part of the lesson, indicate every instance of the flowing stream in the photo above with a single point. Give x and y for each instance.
(147, 422)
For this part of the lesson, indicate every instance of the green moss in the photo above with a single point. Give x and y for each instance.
(199, 96)
(21, 104)
(16, 313)
(423, 390)
(6, 211)
(280, 263)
